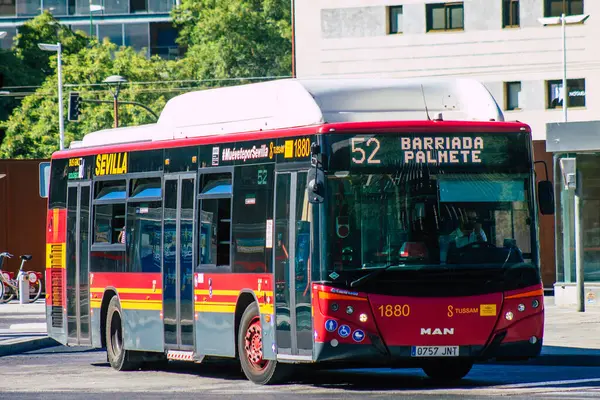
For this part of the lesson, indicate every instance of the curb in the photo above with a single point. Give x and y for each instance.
(26, 345)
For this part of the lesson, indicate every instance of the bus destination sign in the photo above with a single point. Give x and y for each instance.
(442, 150)
(384, 150)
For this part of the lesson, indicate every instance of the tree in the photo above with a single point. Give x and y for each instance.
(44, 28)
(32, 129)
(234, 38)
(25, 64)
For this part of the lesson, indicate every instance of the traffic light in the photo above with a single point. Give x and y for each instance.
(74, 106)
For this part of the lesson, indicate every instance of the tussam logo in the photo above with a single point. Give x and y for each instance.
(437, 331)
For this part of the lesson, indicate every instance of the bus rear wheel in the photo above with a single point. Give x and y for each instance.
(250, 350)
(119, 358)
(448, 370)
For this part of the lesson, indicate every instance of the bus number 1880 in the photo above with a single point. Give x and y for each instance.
(394, 310)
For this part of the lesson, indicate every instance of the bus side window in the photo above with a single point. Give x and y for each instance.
(109, 211)
(214, 221)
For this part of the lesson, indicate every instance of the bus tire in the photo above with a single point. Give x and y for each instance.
(119, 358)
(448, 370)
(257, 369)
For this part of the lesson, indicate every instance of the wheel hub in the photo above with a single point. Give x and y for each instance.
(253, 345)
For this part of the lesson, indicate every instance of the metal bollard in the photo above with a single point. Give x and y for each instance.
(23, 289)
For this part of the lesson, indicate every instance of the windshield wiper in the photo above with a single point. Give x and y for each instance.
(372, 275)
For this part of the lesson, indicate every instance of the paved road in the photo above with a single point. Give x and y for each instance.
(62, 373)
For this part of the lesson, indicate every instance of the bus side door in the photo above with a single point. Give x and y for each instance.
(292, 248)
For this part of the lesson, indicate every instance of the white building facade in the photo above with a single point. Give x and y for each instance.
(499, 42)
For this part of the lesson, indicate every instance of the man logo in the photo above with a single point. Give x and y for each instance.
(437, 331)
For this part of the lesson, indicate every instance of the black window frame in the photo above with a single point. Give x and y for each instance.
(511, 18)
(244, 212)
(507, 92)
(134, 202)
(112, 245)
(558, 105)
(209, 267)
(447, 7)
(390, 14)
(567, 7)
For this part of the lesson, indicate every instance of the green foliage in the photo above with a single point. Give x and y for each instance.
(32, 130)
(44, 29)
(234, 38)
(224, 39)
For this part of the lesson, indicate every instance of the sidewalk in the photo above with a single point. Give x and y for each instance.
(570, 337)
(23, 327)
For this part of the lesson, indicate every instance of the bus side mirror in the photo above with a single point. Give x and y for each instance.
(44, 179)
(546, 197)
(316, 185)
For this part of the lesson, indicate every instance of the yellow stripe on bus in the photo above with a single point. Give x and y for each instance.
(129, 290)
(128, 305)
(266, 308)
(215, 306)
(229, 292)
(209, 307)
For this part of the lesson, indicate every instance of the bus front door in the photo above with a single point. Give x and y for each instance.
(292, 266)
(178, 261)
(78, 258)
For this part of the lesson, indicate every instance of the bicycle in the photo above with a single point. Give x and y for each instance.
(9, 285)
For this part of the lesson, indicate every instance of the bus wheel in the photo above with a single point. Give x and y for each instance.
(119, 358)
(448, 370)
(250, 349)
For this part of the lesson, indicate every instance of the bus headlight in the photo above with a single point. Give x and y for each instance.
(535, 303)
(509, 316)
(521, 307)
(349, 310)
(362, 317)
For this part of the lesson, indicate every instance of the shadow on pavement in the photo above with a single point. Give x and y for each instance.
(561, 356)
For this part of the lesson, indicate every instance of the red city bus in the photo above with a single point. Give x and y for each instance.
(351, 222)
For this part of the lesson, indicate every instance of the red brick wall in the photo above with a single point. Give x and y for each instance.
(22, 214)
(546, 228)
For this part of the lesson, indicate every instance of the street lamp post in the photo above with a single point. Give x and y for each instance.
(116, 81)
(564, 20)
(579, 275)
(58, 49)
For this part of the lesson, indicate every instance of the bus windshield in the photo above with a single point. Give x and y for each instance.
(415, 215)
(417, 219)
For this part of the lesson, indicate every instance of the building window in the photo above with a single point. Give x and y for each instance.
(445, 16)
(8, 8)
(136, 6)
(576, 88)
(510, 13)
(162, 40)
(395, 19)
(554, 8)
(513, 93)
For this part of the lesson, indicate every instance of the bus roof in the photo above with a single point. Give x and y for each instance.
(291, 103)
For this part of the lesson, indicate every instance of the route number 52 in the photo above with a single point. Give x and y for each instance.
(359, 146)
